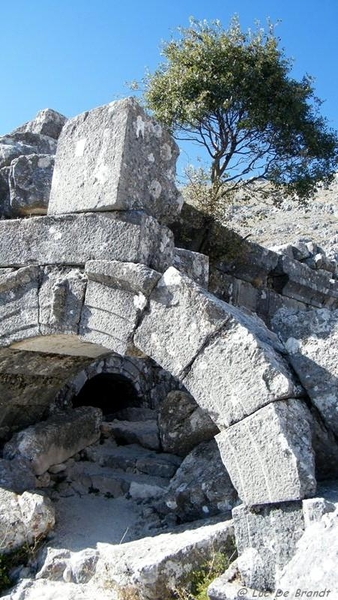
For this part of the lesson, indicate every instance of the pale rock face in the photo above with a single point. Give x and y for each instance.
(32, 514)
(97, 153)
(47, 122)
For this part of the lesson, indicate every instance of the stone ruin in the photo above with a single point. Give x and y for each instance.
(226, 386)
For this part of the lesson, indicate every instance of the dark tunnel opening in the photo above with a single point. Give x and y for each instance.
(107, 391)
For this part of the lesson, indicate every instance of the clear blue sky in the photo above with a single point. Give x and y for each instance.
(73, 55)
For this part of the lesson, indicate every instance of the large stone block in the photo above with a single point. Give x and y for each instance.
(193, 264)
(115, 157)
(228, 360)
(19, 306)
(110, 315)
(311, 339)
(55, 440)
(75, 239)
(266, 540)
(30, 179)
(269, 454)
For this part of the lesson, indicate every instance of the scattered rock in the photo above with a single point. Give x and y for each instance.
(30, 179)
(183, 424)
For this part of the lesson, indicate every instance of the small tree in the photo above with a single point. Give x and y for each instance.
(232, 93)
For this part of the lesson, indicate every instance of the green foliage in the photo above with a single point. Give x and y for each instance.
(201, 578)
(4, 570)
(231, 92)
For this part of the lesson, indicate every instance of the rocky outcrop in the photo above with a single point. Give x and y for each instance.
(26, 165)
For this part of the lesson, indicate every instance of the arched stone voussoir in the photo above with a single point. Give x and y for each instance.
(229, 361)
(269, 454)
(116, 296)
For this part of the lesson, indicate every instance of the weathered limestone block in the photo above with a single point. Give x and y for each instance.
(201, 486)
(4, 192)
(23, 519)
(47, 122)
(311, 338)
(155, 566)
(19, 304)
(266, 540)
(17, 144)
(30, 179)
(183, 424)
(314, 565)
(61, 297)
(115, 157)
(110, 315)
(75, 239)
(269, 454)
(203, 334)
(55, 440)
(193, 264)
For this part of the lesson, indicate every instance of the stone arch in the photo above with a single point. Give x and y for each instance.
(230, 362)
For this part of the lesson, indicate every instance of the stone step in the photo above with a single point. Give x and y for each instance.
(134, 413)
(90, 477)
(133, 459)
(144, 433)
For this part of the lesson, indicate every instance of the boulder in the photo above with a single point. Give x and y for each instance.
(47, 122)
(30, 179)
(266, 539)
(269, 454)
(310, 339)
(23, 519)
(201, 486)
(53, 441)
(183, 424)
(115, 157)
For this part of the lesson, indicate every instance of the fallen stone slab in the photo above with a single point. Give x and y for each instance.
(201, 486)
(47, 122)
(55, 440)
(183, 424)
(30, 179)
(229, 587)
(129, 237)
(23, 519)
(310, 339)
(144, 433)
(269, 454)
(115, 157)
(202, 335)
(266, 540)
(127, 276)
(154, 567)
